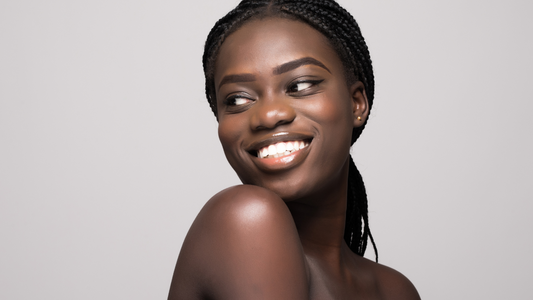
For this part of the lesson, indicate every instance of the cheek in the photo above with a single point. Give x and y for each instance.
(333, 112)
(228, 133)
(333, 118)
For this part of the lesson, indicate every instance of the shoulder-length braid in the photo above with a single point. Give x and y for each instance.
(342, 31)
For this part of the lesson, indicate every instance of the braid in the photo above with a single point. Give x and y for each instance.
(357, 213)
(344, 35)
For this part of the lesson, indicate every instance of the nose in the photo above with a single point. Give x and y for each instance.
(271, 112)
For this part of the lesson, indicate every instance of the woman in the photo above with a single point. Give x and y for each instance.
(291, 85)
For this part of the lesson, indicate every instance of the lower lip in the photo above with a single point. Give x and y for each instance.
(283, 162)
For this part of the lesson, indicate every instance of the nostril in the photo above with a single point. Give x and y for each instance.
(267, 126)
(281, 122)
(271, 113)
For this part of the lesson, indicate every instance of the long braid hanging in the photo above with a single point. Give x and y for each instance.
(357, 213)
(341, 29)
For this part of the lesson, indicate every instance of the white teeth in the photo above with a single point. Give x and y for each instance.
(289, 146)
(263, 152)
(281, 149)
(272, 150)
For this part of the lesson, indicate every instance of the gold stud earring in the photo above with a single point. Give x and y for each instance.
(358, 118)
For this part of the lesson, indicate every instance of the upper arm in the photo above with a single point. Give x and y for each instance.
(242, 245)
(396, 286)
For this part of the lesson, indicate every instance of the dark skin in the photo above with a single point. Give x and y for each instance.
(280, 235)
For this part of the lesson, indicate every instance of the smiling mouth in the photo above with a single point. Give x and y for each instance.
(281, 149)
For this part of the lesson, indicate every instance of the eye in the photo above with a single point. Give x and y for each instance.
(237, 100)
(302, 85)
(299, 86)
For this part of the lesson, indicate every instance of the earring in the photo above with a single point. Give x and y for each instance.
(358, 118)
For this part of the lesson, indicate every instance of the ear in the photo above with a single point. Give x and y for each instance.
(360, 104)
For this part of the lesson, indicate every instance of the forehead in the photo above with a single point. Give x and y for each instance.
(269, 42)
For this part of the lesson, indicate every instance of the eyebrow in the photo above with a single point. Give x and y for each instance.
(286, 67)
(291, 65)
(236, 78)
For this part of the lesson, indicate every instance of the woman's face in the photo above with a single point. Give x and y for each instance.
(285, 111)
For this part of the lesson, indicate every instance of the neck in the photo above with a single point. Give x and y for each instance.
(321, 220)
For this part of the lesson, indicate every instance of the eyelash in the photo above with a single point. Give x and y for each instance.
(232, 100)
(311, 83)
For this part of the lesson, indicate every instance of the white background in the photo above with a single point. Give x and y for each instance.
(108, 148)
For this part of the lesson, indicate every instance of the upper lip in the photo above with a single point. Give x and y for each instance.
(277, 137)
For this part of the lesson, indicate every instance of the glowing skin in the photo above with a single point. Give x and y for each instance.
(286, 115)
(282, 83)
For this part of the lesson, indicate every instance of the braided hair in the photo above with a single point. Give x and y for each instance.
(344, 35)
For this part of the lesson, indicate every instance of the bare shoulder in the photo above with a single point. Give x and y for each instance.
(243, 244)
(392, 284)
